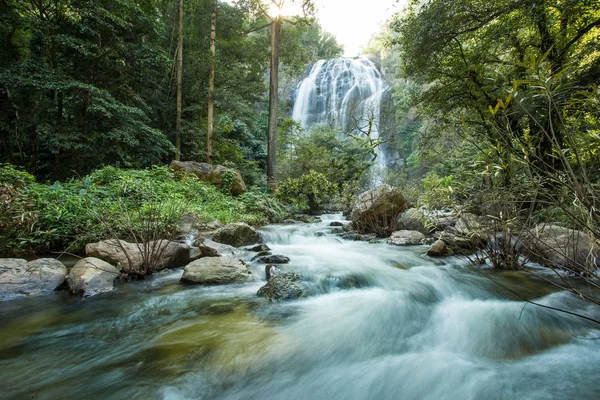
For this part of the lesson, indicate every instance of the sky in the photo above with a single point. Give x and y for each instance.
(353, 22)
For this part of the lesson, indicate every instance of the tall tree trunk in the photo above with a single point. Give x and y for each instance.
(273, 101)
(179, 77)
(211, 84)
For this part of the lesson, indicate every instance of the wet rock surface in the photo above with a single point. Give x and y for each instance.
(19, 277)
(282, 286)
(406, 238)
(237, 235)
(217, 270)
(91, 276)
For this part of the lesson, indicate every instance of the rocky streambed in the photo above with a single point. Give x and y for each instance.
(373, 321)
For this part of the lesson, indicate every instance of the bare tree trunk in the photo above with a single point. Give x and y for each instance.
(211, 84)
(273, 101)
(179, 77)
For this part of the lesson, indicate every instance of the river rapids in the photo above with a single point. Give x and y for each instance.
(379, 322)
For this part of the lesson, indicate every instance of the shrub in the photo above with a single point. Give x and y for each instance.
(309, 192)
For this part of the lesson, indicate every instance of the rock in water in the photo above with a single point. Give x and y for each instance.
(92, 276)
(129, 257)
(21, 277)
(260, 247)
(260, 254)
(239, 234)
(336, 223)
(214, 174)
(412, 220)
(377, 210)
(274, 259)
(558, 247)
(440, 249)
(282, 286)
(217, 270)
(406, 238)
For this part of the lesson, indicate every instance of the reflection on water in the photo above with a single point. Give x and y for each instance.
(380, 322)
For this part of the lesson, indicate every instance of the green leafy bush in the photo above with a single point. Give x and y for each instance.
(309, 192)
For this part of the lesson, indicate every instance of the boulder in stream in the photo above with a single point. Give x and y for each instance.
(406, 238)
(558, 247)
(282, 286)
(377, 210)
(129, 257)
(91, 276)
(413, 220)
(217, 270)
(237, 235)
(19, 277)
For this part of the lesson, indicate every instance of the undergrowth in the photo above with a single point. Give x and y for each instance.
(36, 218)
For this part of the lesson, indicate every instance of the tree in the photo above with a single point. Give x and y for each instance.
(211, 84)
(470, 53)
(179, 78)
(78, 85)
(276, 19)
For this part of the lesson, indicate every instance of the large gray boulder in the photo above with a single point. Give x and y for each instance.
(377, 210)
(19, 277)
(282, 286)
(413, 220)
(129, 257)
(558, 247)
(214, 174)
(91, 276)
(217, 270)
(237, 235)
(406, 238)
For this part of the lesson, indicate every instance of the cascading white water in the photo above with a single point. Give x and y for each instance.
(378, 322)
(342, 92)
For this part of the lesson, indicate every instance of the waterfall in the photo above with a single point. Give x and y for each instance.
(344, 93)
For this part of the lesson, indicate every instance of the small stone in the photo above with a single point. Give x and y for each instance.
(260, 247)
(261, 254)
(440, 249)
(274, 259)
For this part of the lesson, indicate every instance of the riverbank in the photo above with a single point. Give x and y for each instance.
(379, 321)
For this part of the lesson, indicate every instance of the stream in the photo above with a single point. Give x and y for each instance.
(379, 322)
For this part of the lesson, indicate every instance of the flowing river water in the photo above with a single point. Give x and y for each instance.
(380, 322)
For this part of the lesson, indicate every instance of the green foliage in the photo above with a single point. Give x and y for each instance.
(227, 182)
(110, 202)
(308, 192)
(502, 94)
(13, 177)
(340, 158)
(437, 191)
